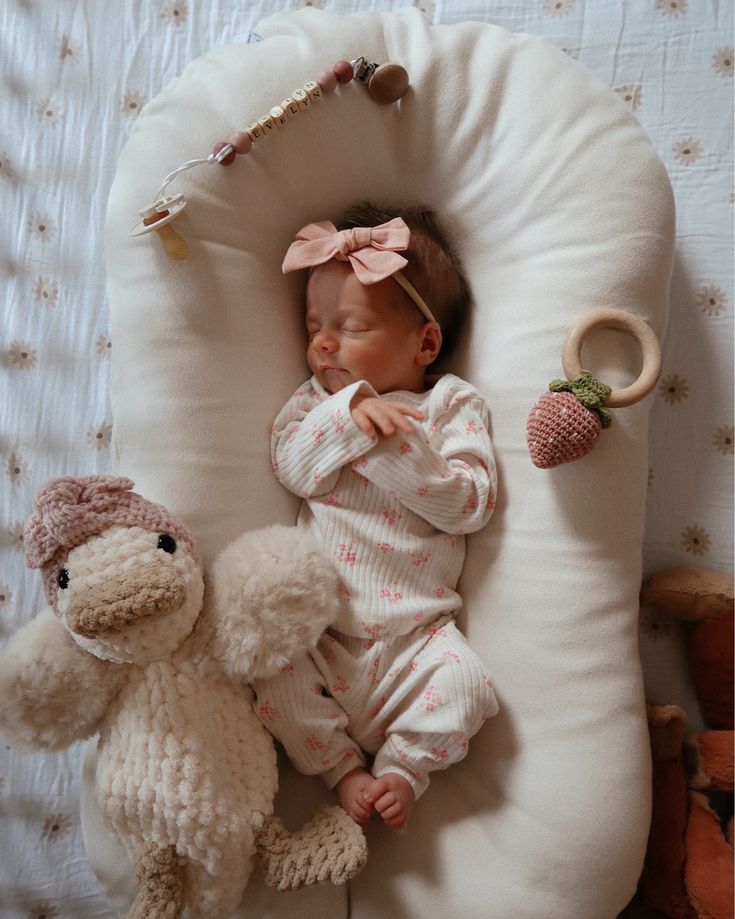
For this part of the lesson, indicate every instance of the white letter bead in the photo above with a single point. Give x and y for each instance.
(314, 90)
(290, 107)
(301, 98)
(279, 116)
(255, 131)
(267, 124)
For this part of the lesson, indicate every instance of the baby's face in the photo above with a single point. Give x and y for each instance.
(362, 332)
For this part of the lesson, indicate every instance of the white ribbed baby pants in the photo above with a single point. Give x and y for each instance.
(413, 701)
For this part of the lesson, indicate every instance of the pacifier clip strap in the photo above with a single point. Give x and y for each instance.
(386, 83)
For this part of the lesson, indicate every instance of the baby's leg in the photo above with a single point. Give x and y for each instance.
(447, 696)
(297, 709)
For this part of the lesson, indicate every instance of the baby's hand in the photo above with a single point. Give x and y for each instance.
(376, 416)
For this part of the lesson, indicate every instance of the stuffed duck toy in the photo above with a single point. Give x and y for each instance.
(135, 648)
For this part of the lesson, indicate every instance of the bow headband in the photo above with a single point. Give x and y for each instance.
(371, 251)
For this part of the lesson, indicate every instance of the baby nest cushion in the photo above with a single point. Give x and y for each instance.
(553, 197)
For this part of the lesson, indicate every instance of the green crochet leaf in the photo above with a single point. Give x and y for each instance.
(590, 392)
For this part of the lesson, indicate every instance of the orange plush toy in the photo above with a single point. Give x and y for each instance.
(688, 871)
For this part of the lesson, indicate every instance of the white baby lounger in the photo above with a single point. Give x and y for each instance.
(557, 204)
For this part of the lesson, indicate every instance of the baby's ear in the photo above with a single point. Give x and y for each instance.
(431, 342)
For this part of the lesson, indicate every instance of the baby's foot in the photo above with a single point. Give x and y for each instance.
(351, 790)
(393, 798)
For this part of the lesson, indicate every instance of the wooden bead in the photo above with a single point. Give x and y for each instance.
(343, 71)
(280, 118)
(255, 131)
(301, 98)
(230, 158)
(267, 124)
(388, 84)
(290, 106)
(314, 89)
(327, 80)
(241, 142)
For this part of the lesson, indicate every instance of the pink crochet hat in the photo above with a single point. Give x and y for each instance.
(68, 511)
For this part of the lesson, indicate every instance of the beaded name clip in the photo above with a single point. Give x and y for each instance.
(566, 422)
(386, 83)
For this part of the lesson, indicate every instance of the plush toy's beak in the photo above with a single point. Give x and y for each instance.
(152, 590)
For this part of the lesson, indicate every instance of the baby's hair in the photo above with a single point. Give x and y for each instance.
(433, 267)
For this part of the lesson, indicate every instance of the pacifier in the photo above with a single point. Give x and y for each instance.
(157, 217)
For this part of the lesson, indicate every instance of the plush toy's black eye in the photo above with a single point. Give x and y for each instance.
(167, 543)
(63, 579)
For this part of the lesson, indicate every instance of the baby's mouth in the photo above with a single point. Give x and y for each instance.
(333, 378)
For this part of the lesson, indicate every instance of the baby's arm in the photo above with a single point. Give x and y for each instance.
(313, 438)
(447, 477)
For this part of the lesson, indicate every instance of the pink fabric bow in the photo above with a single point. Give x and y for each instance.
(372, 251)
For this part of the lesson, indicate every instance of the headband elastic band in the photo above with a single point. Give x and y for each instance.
(414, 295)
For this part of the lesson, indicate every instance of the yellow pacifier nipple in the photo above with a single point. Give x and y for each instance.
(157, 217)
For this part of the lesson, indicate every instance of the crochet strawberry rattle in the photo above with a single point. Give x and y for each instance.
(566, 422)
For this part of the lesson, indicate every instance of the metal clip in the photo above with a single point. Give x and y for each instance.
(363, 70)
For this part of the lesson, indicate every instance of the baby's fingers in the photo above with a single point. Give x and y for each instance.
(399, 415)
(403, 424)
(363, 422)
(386, 424)
(374, 416)
(391, 418)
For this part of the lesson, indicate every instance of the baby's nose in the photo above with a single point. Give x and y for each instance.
(324, 341)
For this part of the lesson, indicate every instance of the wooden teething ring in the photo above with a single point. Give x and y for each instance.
(615, 319)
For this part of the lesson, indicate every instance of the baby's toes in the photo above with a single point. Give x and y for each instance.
(387, 802)
(361, 812)
(375, 791)
(392, 812)
(395, 823)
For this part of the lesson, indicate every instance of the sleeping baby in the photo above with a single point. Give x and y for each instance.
(395, 468)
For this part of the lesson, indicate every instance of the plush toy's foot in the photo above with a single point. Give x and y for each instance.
(662, 881)
(160, 876)
(667, 727)
(709, 867)
(710, 756)
(331, 847)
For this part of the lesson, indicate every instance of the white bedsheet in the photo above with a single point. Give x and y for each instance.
(74, 76)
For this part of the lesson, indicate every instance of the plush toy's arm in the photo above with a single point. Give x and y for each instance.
(690, 593)
(704, 600)
(51, 691)
(662, 882)
(273, 594)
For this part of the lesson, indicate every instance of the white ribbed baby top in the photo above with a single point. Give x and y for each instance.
(391, 511)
